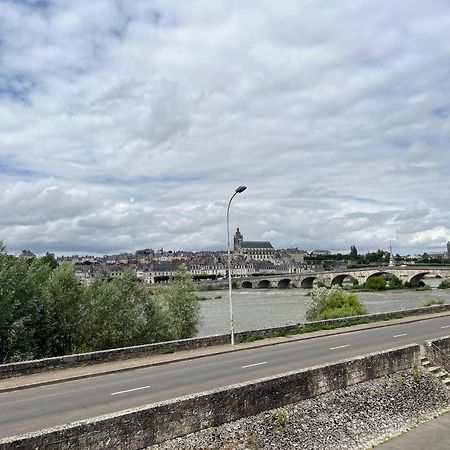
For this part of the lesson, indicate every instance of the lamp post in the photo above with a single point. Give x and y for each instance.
(237, 191)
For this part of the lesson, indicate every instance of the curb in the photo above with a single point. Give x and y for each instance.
(249, 346)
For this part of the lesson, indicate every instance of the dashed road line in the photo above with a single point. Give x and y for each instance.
(256, 364)
(400, 335)
(340, 346)
(130, 390)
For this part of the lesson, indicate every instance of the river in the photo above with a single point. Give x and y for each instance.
(263, 308)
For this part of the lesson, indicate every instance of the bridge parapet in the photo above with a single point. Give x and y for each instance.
(307, 280)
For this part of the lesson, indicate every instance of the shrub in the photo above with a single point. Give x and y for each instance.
(375, 283)
(395, 282)
(433, 301)
(444, 284)
(333, 303)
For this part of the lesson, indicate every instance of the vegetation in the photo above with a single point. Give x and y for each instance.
(333, 303)
(204, 276)
(375, 284)
(434, 301)
(46, 311)
(444, 284)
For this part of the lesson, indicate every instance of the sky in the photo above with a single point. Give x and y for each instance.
(129, 124)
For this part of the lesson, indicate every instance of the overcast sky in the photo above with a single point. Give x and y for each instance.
(128, 124)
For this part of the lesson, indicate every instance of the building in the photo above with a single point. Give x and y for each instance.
(255, 250)
(320, 253)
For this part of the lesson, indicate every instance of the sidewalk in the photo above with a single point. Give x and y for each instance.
(76, 373)
(432, 435)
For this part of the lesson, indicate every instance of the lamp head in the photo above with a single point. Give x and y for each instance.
(240, 189)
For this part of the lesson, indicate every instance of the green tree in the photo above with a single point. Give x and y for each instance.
(122, 313)
(375, 283)
(353, 255)
(183, 305)
(64, 293)
(50, 260)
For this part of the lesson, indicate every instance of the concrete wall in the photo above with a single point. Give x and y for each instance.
(139, 427)
(61, 362)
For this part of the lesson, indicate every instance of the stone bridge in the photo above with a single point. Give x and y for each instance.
(306, 280)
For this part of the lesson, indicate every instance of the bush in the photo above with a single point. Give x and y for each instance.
(435, 301)
(444, 284)
(395, 282)
(333, 303)
(375, 283)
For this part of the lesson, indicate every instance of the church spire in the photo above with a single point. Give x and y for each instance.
(391, 257)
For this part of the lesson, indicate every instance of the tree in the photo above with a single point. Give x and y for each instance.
(50, 260)
(122, 313)
(375, 283)
(183, 305)
(353, 253)
(46, 311)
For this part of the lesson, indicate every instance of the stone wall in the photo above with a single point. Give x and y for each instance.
(438, 351)
(64, 362)
(139, 427)
(61, 362)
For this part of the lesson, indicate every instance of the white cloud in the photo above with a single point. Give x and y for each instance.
(333, 114)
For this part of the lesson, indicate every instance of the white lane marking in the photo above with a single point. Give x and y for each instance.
(340, 346)
(131, 390)
(256, 364)
(400, 335)
(446, 326)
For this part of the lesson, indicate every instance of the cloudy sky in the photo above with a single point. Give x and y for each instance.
(128, 124)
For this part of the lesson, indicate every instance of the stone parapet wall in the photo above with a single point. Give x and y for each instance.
(139, 427)
(438, 351)
(68, 361)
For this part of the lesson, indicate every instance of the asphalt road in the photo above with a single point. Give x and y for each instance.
(46, 406)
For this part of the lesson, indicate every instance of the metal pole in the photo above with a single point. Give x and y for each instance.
(229, 271)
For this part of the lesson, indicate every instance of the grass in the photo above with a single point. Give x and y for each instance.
(168, 350)
(254, 337)
(433, 301)
(304, 329)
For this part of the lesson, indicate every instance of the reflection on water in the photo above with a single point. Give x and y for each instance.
(262, 308)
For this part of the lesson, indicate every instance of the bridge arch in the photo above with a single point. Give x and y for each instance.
(247, 285)
(339, 279)
(416, 279)
(308, 282)
(263, 284)
(383, 273)
(284, 283)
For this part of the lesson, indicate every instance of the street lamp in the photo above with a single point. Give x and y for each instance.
(237, 191)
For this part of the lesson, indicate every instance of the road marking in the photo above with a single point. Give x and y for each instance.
(400, 335)
(131, 390)
(446, 326)
(340, 346)
(256, 364)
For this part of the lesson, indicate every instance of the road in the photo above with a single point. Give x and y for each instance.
(42, 407)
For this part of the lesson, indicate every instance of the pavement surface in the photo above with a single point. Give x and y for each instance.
(432, 435)
(53, 404)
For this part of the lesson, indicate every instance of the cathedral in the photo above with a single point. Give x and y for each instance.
(255, 250)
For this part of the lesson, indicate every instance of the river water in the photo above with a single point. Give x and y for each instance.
(263, 308)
